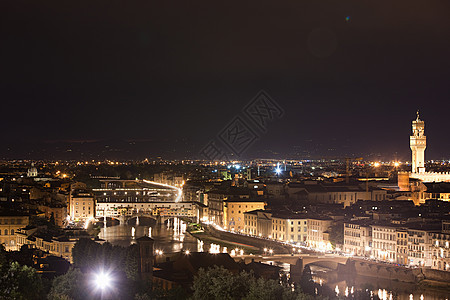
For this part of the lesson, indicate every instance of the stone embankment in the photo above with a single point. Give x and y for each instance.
(244, 239)
(392, 272)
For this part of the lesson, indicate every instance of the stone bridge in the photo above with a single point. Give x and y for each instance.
(327, 261)
(160, 219)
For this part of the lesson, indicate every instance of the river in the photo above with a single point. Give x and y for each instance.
(172, 237)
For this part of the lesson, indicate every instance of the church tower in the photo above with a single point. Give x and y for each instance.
(418, 143)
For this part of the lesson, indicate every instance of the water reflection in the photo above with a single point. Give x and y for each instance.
(169, 237)
(383, 289)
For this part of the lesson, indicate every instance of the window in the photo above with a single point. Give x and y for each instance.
(12, 231)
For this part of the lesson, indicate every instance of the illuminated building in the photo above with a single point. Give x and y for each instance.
(234, 209)
(9, 225)
(32, 172)
(418, 146)
(318, 232)
(358, 238)
(384, 242)
(81, 205)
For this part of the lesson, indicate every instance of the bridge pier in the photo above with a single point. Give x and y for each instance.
(123, 220)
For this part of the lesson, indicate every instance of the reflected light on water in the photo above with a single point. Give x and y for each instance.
(214, 249)
(200, 246)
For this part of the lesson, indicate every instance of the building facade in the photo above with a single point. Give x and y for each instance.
(318, 233)
(9, 225)
(358, 238)
(234, 210)
(384, 243)
(81, 205)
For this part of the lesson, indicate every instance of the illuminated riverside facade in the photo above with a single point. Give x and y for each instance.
(283, 227)
(234, 210)
(318, 233)
(409, 244)
(81, 205)
(357, 238)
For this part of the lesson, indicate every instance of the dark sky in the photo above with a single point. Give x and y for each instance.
(170, 75)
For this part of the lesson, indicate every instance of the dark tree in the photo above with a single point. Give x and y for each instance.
(52, 220)
(306, 282)
(69, 286)
(219, 283)
(337, 234)
(20, 282)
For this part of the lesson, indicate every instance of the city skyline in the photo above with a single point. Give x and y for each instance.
(292, 149)
(136, 149)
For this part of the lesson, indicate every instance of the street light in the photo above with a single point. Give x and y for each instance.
(102, 280)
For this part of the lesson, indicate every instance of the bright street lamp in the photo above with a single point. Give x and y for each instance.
(102, 280)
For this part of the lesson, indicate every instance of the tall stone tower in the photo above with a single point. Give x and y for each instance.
(145, 245)
(418, 143)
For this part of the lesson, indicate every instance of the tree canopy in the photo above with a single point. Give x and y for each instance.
(219, 283)
(20, 282)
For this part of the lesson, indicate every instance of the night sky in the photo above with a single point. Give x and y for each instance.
(150, 78)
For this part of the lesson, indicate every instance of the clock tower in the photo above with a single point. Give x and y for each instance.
(418, 143)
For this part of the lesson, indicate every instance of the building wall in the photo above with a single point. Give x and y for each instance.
(82, 208)
(419, 248)
(55, 247)
(59, 213)
(251, 224)
(9, 225)
(357, 239)
(384, 243)
(316, 236)
(440, 251)
(296, 230)
(402, 247)
(234, 213)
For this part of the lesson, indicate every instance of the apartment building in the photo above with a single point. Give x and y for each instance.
(358, 238)
(318, 229)
(81, 205)
(384, 241)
